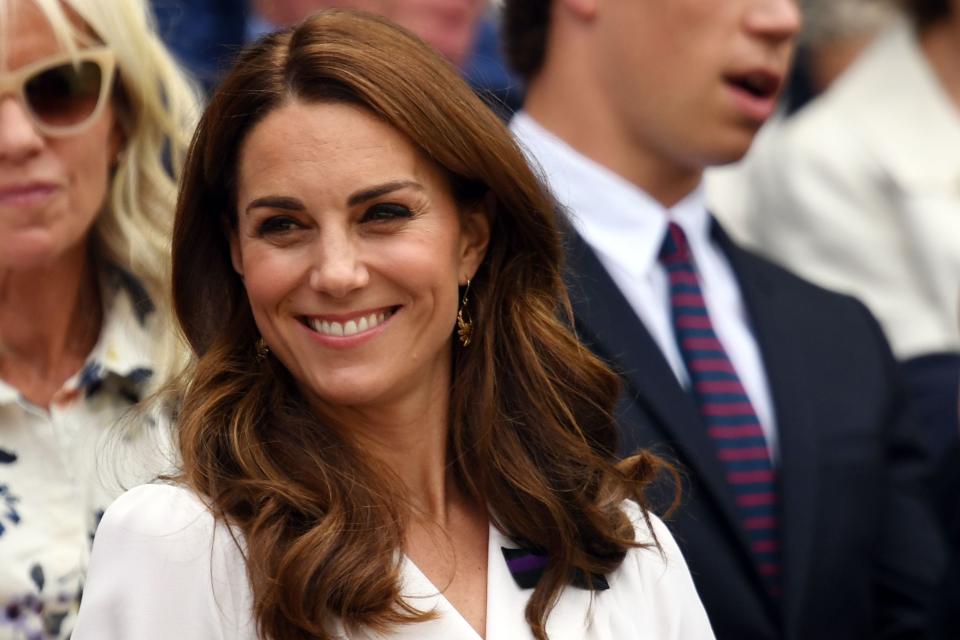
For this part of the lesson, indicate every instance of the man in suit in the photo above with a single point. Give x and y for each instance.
(803, 518)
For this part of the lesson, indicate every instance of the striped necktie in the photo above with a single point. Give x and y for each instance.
(728, 413)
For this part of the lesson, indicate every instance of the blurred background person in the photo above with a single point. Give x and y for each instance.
(834, 33)
(92, 108)
(391, 430)
(860, 192)
(207, 35)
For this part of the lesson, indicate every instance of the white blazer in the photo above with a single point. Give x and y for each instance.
(860, 192)
(163, 569)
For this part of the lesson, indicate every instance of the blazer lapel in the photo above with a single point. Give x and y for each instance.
(607, 322)
(772, 319)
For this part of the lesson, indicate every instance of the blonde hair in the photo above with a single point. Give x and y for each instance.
(156, 106)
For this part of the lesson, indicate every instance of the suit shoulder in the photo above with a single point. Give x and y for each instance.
(826, 320)
(786, 282)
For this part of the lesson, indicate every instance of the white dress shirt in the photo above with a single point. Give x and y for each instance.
(625, 227)
(163, 568)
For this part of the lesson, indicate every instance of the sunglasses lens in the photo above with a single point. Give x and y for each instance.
(65, 95)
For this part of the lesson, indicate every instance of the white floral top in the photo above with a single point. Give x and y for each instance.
(60, 468)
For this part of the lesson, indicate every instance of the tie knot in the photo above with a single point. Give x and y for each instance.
(675, 247)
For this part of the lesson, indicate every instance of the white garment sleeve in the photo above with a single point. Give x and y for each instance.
(162, 568)
(666, 581)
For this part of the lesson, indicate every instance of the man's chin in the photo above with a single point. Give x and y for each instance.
(730, 150)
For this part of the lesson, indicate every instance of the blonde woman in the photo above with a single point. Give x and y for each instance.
(94, 118)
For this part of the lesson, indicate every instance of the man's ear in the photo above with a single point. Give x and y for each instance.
(475, 236)
(584, 9)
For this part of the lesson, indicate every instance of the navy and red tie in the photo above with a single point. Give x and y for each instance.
(731, 422)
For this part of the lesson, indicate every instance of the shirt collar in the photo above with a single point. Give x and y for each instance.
(126, 345)
(125, 348)
(614, 216)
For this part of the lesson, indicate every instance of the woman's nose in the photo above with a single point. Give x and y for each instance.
(338, 267)
(19, 138)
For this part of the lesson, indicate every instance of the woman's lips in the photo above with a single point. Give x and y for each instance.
(26, 195)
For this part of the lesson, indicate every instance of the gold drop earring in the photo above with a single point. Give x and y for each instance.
(464, 322)
(261, 349)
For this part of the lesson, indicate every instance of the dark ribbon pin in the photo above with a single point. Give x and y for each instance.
(527, 567)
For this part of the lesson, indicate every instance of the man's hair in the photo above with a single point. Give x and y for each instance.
(526, 24)
(927, 12)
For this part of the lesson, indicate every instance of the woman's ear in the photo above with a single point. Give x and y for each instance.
(236, 257)
(117, 142)
(475, 236)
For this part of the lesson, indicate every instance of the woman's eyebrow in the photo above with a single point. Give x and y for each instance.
(276, 202)
(381, 190)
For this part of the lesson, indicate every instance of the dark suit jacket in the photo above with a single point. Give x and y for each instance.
(862, 551)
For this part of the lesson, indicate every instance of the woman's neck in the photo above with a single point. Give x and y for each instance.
(408, 437)
(50, 318)
(941, 45)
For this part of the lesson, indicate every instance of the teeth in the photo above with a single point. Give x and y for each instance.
(348, 328)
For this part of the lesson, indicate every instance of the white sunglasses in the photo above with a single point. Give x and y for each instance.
(63, 94)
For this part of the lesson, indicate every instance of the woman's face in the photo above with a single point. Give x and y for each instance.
(351, 248)
(51, 188)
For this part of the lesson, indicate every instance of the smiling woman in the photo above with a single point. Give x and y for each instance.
(360, 468)
(380, 236)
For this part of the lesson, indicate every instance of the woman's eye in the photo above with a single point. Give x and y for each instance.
(386, 211)
(278, 224)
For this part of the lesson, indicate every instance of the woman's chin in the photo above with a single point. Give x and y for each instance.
(30, 250)
(338, 392)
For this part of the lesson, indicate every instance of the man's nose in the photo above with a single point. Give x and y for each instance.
(775, 19)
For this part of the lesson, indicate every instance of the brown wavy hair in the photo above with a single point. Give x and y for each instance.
(531, 434)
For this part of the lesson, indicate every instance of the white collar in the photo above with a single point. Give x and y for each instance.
(613, 215)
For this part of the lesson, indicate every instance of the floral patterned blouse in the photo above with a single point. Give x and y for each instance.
(61, 467)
